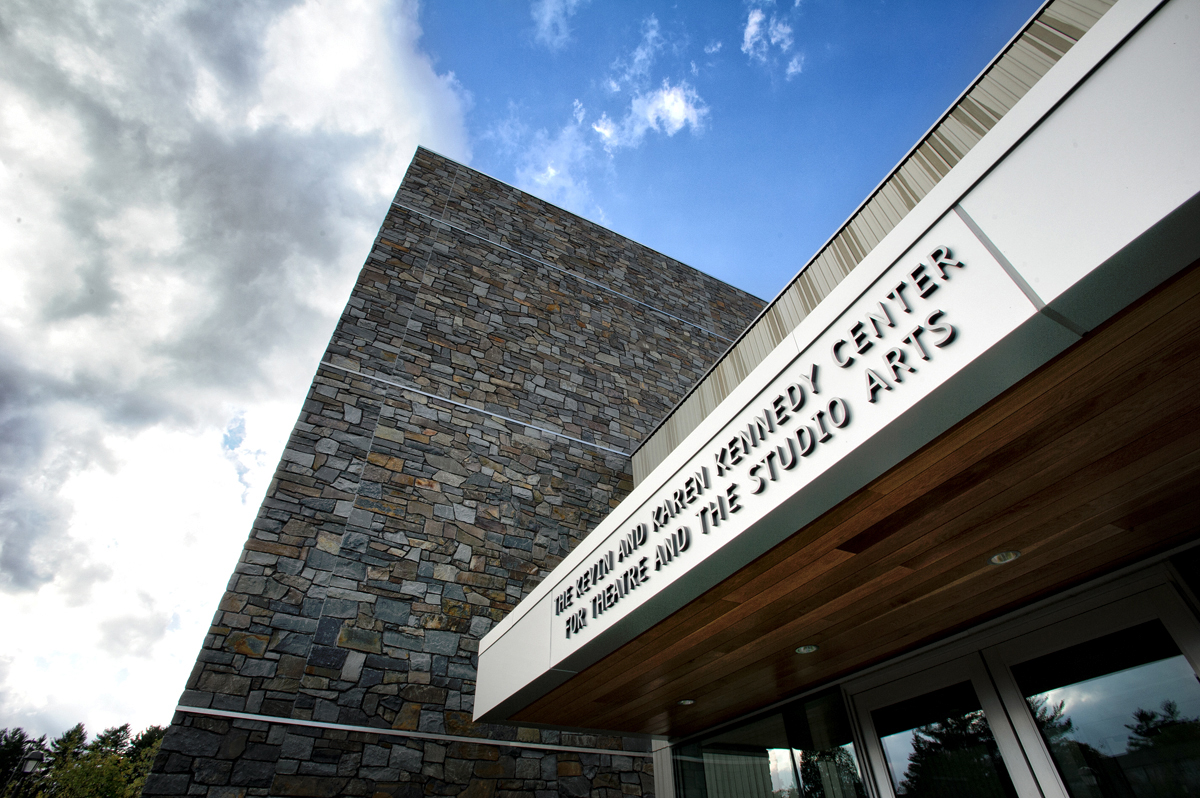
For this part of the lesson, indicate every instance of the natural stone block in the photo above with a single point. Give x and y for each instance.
(405, 758)
(307, 786)
(191, 742)
(248, 644)
(441, 643)
(360, 640)
(227, 683)
(391, 611)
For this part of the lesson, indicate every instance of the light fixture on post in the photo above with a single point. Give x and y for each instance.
(31, 762)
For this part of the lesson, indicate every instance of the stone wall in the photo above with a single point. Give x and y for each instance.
(469, 423)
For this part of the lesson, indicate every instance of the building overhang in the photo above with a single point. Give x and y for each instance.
(1013, 368)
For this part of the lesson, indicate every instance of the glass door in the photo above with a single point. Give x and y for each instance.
(942, 733)
(1108, 703)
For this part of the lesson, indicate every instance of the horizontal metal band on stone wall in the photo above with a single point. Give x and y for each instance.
(473, 408)
(417, 735)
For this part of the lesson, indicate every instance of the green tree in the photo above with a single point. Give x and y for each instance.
(116, 740)
(113, 765)
(834, 767)
(954, 757)
(14, 744)
(68, 747)
(1162, 729)
(141, 756)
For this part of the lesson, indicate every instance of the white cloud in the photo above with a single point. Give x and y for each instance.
(553, 167)
(551, 21)
(795, 66)
(780, 34)
(606, 128)
(712, 48)
(765, 39)
(674, 107)
(556, 163)
(754, 43)
(551, 164)
(634, 71)
(668, 109)
(187, 192)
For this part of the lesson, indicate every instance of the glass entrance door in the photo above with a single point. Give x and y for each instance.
(942, 733)
(1094, 695)
(1091, 703)
(1108, 703)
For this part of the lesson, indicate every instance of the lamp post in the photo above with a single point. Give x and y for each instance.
(31, 762)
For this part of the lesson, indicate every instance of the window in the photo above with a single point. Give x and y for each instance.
(804, 751)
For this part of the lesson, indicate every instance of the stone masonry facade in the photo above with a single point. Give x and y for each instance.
(470, 422)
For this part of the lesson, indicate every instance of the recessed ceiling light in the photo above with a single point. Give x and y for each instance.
(1003, 557)
(809, 649)
(686, 702)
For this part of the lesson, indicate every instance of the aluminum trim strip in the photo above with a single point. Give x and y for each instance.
(453, 738)
(472, 408)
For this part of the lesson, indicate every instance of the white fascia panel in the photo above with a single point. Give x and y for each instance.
(1121, 153)
(977, 333)
(1003, 338)
(1106, 35)
(518, 661)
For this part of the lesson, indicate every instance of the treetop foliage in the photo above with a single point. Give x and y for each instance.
(114, 764)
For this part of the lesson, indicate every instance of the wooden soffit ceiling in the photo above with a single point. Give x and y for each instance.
(1088, 464)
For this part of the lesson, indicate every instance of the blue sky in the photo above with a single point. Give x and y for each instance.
(798, 116)
(188, 190)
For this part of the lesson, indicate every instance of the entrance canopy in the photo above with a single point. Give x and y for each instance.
(1000, 401)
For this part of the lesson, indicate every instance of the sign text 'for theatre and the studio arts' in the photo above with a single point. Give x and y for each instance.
(904, 325)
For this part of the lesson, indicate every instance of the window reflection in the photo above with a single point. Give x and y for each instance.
(1120, 714)
(940, 744)
(805, 751)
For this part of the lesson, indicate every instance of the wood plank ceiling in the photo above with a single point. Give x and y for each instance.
(1087, 465)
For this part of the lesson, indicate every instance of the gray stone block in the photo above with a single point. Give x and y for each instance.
(391, 611)
(296, 747)
(192, 742)
(340, 608)
(441, 643)
(405, 758)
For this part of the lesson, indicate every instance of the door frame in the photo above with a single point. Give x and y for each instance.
(969, 668)
(983, 656)
(1159, 603)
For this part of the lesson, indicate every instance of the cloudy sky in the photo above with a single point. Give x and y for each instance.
(188, 189)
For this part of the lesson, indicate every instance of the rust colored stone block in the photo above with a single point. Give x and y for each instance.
(248, 644)
(408, 717)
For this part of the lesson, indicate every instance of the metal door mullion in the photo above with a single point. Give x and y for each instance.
(1007, 740)
(873, 751)
(1032, 745)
